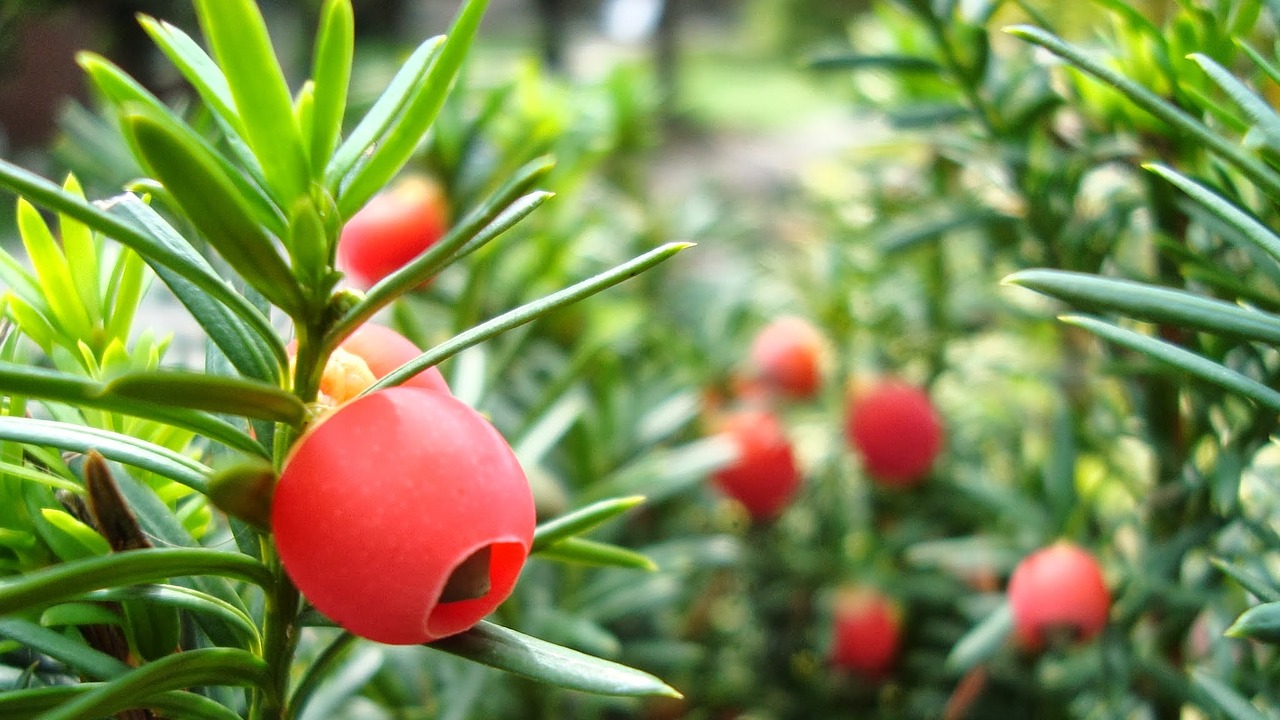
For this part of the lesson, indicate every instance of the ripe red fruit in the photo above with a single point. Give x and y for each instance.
(392, 229)
(894, 428)
(1059, 588)
(786, 354)
(764, 477)
(865, 632)
(403, 516)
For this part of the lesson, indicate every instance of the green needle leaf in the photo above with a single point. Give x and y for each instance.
(159, 254)
(253, 348)
(520, 654)
(82, 257)
(1180, 359)
(331, 73)
(34, 703)
(197, 67)
(1232, 704)
(44, 384)
(1224, 210)
(582, 520)
(124, 91)
(984, 640)
(1259, 111)
(238, 38)
(1266, 66)
(65, 581)
(1151, 303)
(31, 321)
(114, 446)
(207, 666)
(1251, 167)
(388, 106)
(76, 655)
(1260, 622)
(889, 63)
(527, 313)
(212, 393)
(1261, 587)
(129, 282)
(313, 678)
(54, 274)
(579, 551)
(207, 195)
(182, 598)
(394, 148)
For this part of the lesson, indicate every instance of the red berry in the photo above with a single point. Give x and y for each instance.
(764, 477)
(787, 353)
(865, 632)
(384, 350)
(1058, 588)
(895, 429)
(385, 509)
(367, 355)
(392, 229)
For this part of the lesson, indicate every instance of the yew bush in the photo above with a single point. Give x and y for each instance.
(1056, 247)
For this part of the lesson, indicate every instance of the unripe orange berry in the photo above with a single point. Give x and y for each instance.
(764, 477)
(1058, 589)
(403, 516)
(865, 632)
(896, 431)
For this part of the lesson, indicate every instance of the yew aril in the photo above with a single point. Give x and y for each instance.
(895, 430)
(368, 355)
(764, 477)
(865, 633)
(383, 350)
(394, 227)
(403, 516)
(787, 354)
(1058, 592)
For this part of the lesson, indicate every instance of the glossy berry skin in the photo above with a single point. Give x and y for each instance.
(764, 477)
(392, 229)
(896, 431)
(866, 632)
(787, 356)
(1056, 589)
(379, 504)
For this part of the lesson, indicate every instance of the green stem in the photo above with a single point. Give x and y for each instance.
(283, 601)
(1165, 421)
(280, 637)
(962, 74)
